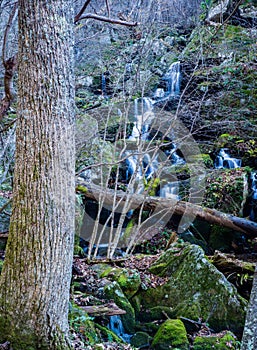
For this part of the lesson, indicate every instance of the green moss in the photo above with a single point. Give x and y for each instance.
(225, 190)
(82, 189)
(171, 334)
(140, 339)
(82, 323)
(152, 186)
(128, 232)
(107, 334)
(227, 341)
(114, 292)
(78, 250)
(25, 338)
(208, 162)
(157, 313)
(195, 289)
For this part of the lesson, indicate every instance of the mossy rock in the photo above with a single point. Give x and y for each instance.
(129, 280)
(82, 323)
(195, 289)
(156, 313)
(107, 334)
(140, 339)
(114, 292)
(205, 158)
(171, 335)
(223, 342)
(225, 190)
(149, 327)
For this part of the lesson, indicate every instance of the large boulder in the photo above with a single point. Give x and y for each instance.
(195, 289)
(171, 335)
(223, 341)
(129, 280)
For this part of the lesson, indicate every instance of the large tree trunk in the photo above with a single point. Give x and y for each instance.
(35, 281)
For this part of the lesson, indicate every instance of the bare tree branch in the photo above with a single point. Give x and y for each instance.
(83, 9)
(108, 8)
(10, 66)
(108, 20)
(7, 30)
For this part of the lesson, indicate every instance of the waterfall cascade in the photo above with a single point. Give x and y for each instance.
(224, 160)
(172, 83)
(143, 115)
(116, 326)
(170, 190)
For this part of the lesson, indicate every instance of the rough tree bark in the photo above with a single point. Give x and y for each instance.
(34, 285)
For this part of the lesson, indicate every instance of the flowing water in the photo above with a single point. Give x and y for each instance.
(224, 160)
(171, 82)
(116, 326)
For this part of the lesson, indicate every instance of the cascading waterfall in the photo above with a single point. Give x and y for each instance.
(143, 161)
(172, 83)
(224, 160)
(116, 326)
(174, 157)
(172, 78)
(143, 114)
(170, 190)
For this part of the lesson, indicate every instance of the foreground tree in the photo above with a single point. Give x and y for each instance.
(34, 286)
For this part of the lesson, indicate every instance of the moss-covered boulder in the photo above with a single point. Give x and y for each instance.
(171, 335)
(140, 340)
(129, 280)
(216, 342)
(114, 292)
(157, 313)
(195, 289)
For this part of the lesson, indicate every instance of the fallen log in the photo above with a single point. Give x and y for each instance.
(110, 309)
(155, 204)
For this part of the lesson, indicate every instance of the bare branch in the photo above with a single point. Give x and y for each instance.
(108, 8)
(83, 9)
(108, 20)
(7, 30)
